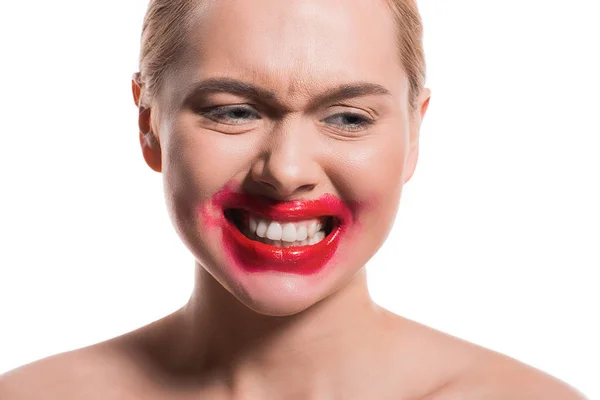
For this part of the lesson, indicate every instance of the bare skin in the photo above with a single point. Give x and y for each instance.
(406, 361)
(284, 336)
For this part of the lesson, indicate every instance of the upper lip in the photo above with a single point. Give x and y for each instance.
(287, 211)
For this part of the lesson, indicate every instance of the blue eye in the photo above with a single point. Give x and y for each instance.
(230, 114)
(350, 121)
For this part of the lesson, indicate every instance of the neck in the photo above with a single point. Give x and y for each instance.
(220, 333)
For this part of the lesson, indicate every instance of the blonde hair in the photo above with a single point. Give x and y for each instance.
(167, 21)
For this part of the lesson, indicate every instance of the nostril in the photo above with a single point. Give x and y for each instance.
(307, 188)
(283, 192)
(282, 186)
(269, 185)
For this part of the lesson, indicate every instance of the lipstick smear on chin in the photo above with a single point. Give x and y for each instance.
(261, 234)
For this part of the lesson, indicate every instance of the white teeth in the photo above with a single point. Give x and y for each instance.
(302, 233)
(312, 229)
(274, 231)
(289, 233)
(285, 234)
(309, 242)
(253, 224)
(317, 238)
(261, 229)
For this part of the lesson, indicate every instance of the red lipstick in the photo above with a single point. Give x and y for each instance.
(253, 256)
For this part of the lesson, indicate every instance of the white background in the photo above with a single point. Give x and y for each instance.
(498, 236)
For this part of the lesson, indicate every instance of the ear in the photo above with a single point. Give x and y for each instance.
(148, 141)
(424, 102)
(413, 153)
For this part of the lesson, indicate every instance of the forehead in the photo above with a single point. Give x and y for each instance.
(292, 47)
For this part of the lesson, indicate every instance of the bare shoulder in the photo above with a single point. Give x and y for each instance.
(498, 377)
(451, 368)
(95, 372)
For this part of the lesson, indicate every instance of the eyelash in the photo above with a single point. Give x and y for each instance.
(217, 114)
(364, 121)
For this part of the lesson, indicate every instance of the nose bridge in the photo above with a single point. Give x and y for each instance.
(289, 162)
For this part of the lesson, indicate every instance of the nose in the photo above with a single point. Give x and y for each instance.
(288, 167)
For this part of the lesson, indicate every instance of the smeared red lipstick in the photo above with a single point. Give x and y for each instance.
(252, 255)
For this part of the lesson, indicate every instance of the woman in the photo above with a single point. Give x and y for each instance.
(285, 132)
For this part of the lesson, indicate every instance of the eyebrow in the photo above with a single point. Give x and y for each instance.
(255, 93)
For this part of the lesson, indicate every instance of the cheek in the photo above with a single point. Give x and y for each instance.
(370, 169)
(196, 164)
(203, 161)
(371, 173)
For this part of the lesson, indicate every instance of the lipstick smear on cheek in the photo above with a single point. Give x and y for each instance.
(352, 232)
(255, 256)
(211, 213)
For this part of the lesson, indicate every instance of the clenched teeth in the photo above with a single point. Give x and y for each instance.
(319, 236)
(285, 234)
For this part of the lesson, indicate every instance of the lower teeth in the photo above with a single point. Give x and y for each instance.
(319, 236)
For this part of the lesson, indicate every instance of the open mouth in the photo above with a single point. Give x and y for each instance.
(306, 232)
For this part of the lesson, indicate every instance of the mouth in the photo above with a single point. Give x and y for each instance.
(298, 236)
(281, 233)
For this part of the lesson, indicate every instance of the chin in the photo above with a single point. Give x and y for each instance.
(277, 306)
(275, 293)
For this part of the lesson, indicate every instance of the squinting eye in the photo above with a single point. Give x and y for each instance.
(349, 121)
(230, 114)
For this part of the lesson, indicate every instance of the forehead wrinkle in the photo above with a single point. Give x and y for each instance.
(292, 86)
(301, 86)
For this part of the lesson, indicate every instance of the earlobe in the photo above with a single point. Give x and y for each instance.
(148, 140)
(411, 162)
(425, 96)
(151, 151)
(413, 154)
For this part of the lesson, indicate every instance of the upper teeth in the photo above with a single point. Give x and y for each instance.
(285, 231)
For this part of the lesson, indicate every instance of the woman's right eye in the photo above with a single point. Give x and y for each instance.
(233, 115)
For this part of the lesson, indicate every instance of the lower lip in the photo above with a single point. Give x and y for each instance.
(255, 256)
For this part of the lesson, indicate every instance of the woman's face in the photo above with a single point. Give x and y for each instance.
(291, 113)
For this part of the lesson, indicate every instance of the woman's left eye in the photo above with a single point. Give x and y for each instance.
(349, 121)
(230, 114)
